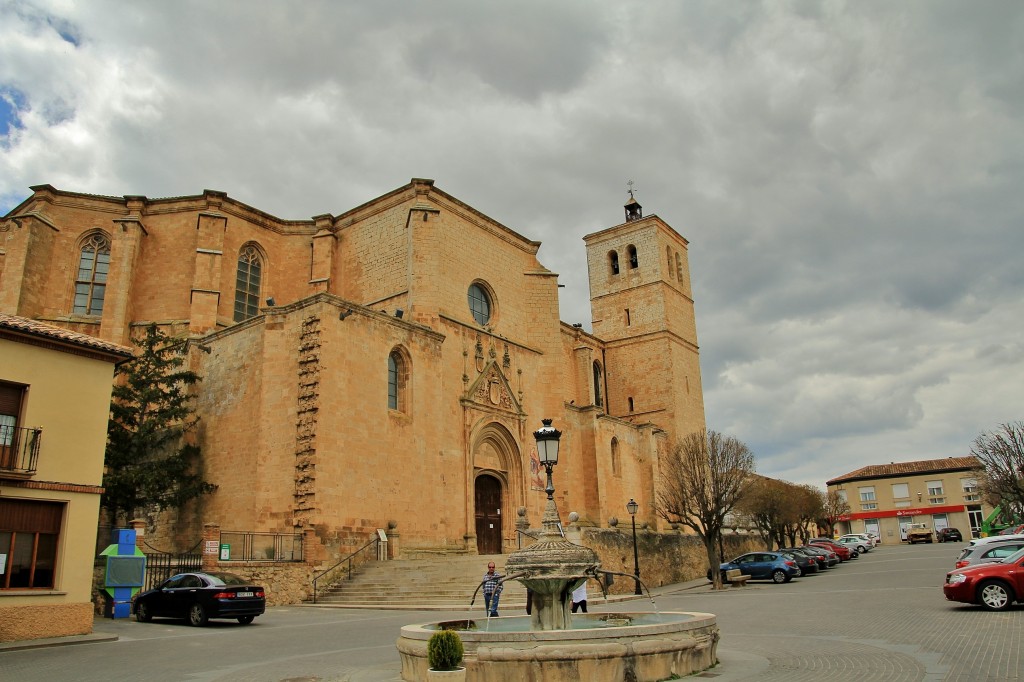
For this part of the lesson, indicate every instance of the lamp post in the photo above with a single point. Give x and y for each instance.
(547, 451)
(631, 507)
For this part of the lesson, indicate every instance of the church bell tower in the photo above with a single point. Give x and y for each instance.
(643, 310)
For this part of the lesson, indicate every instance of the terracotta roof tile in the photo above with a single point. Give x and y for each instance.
(49, 331)
(924, 466)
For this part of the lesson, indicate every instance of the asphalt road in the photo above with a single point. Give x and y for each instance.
(880, 617)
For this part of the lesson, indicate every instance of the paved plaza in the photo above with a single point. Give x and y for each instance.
(880, 617)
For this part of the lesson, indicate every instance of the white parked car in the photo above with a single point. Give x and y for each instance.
(995, 538)
(869, 540)
(856, 542)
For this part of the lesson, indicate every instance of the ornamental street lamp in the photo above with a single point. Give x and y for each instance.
(632, 507)
(547, 451)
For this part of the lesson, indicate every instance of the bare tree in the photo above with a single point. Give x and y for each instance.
(810, 505)
(835, 507)
(704, 475)
(764, 502)
(1001, 455)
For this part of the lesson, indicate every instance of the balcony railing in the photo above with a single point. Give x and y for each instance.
(19, 450)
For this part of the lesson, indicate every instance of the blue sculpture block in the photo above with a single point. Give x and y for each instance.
(125, 574)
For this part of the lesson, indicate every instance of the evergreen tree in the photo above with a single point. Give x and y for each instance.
(149, 462)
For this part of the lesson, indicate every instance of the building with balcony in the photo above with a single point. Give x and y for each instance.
(886, 499)
(55, 389)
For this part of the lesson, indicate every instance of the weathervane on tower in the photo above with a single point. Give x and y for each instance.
(634, 211)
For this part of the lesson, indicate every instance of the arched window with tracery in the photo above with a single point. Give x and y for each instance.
(248, 276)
(91, 280)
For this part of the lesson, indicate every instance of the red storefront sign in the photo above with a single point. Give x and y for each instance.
(884, 514)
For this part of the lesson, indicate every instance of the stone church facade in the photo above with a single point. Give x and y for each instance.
(382, 367)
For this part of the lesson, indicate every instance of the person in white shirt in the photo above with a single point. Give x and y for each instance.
(579, 598)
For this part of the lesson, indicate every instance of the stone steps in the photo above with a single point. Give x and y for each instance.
(433, 582)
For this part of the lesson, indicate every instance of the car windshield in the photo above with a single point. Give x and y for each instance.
(219, 579)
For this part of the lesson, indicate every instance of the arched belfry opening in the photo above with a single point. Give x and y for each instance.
(498, 485)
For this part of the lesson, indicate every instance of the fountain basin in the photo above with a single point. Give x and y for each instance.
(598, 648)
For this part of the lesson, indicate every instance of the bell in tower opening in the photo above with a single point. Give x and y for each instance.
(634, 211)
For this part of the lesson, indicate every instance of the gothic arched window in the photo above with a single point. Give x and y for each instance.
(91, 280)
(247, 283)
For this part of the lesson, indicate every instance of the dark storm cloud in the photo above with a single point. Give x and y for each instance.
(848, 173)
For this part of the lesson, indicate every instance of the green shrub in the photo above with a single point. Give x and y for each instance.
(444, 650)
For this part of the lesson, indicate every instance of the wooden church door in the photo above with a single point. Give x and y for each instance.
(488, 515)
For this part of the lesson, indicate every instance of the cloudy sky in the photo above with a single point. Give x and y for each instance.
(850, 175)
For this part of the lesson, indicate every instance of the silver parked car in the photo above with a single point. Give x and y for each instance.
(861, 543)
(988, 552)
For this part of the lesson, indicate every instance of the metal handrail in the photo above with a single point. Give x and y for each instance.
(374, 542)
(520, 534)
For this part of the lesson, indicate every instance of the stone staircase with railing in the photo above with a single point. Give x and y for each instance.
(424, 583)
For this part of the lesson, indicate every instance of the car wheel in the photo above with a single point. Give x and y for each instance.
(994, 595)
(929, 540)
(142, 613)
(245, 620)
(197, 615)
(861, 549)
(779, 576)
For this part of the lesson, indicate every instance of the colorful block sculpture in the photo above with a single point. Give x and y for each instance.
(126, 572)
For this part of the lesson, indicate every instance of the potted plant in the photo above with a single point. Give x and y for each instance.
(444, 656)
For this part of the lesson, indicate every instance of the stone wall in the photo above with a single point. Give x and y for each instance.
(285, 583)
(44, 620)
(665, 557)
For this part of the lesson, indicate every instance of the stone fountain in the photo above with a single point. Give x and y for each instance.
(553, 643)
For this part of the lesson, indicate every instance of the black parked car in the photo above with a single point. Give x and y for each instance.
(197, 597)
(831, 558)
(948, 535)
(806, 563)
(820, 558)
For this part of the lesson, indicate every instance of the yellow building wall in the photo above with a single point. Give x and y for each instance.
(916, 507)
(69, 398)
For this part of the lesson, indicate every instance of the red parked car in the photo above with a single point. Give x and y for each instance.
(844, 553)
(994, 585)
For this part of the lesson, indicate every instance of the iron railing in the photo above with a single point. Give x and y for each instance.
(19, 449)
(161, 565)
(252, 546)
(339, 569)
